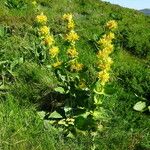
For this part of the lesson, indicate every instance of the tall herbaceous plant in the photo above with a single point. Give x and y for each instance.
(81, 110)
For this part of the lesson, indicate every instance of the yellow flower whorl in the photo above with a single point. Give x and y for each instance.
(43, 31)
(54, 51)
(41, 19)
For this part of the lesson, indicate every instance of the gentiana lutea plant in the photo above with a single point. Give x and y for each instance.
(82, 109)
(104, 66)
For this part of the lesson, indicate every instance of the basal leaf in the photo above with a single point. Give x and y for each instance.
(139, 106)
(55, 115)
(60, 90)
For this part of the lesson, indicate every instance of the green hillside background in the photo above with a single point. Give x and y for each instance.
(146, 11)
(23, 83)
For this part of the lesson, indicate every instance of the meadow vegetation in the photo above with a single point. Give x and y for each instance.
(71, 81)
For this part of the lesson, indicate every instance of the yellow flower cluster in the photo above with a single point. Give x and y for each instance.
(47, 39)
(68, 17)
(106, 51)
(41, 19)
(57, 64)
(71, 25)
(43, 31)
(104, 60)
(106, 39)
(75, 66)
(54, 51)
(111, 25)
(104, 77)
(72, 52)
(72, 37)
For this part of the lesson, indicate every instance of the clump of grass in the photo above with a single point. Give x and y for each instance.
(32, 82)
(21, 128)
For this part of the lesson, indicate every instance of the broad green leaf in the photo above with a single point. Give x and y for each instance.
(60, 90)
(80, 122)
(47, 124)
(55, 115)
(70, 135)
(97, 115)
(41, 114)
(109, 90)
(85, 115)
(67, 109)
(149, 108)
(139, 106)
(63, 122)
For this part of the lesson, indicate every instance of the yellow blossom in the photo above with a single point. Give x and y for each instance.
(104, 42)
(71, 24)
(72, 36)
(75, 66)
(44, 30)
(72, 52)
(104, 66)
(103, 76)
(111, 36)
(112, 24)
(54, 51)
(105, 52)
(57, 64)
(102, 54)
(34, 3)
(49, 40)
(108, 60)
(109, 48)
(42, 19)
(67, 17)
(108, 37)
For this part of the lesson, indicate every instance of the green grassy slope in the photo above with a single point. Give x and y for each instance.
(25, 82)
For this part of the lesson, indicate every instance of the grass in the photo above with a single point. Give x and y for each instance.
(21, 127)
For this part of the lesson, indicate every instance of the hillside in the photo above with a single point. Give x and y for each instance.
(28, 83)
(146, 11)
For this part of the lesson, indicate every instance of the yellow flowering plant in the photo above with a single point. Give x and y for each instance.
(104, 67)
(83, 102)
(46, 44)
